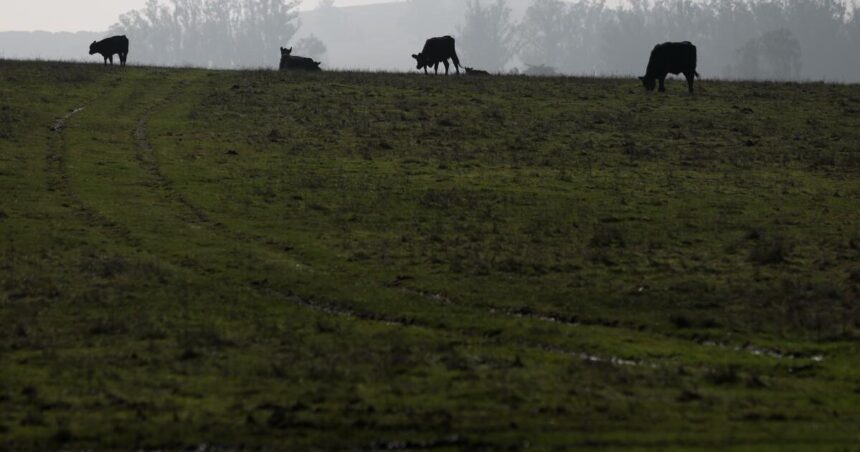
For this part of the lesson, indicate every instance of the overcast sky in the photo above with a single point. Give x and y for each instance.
(87, 15)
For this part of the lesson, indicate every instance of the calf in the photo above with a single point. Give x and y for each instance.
(109, 47)
(670, 57)
(297, 63)
(437, 50)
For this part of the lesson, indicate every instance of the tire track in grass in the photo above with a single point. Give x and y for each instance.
(147, 160)
(573, 321)
(58, 182)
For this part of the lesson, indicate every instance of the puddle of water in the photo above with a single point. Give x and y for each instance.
(59, 123)
(439, 298)
(762, 351)
(614, 360)
(541, 317)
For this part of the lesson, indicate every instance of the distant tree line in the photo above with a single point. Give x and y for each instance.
(211, 33)
(767, 39)
(771, 39)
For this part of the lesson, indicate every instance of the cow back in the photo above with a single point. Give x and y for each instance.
(672, 57)
(438, 49)
(299, 63)
(114, 44)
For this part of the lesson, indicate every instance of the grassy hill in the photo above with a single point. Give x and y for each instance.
(359, 260)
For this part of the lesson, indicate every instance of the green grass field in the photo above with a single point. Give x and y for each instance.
(360, 261)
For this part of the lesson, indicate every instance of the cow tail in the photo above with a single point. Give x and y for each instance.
(695, 60)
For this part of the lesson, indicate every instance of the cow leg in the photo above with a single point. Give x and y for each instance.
(111, 60)
(662, 88)
(689, 81)
(122, 58)
(436, 68)
(447, 66)
(425, 70)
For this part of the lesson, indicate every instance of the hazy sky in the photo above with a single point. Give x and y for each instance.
(87, 15)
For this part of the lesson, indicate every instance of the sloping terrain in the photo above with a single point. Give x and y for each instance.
(358, 260)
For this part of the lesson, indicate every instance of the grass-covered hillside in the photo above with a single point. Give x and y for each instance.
(357, 260)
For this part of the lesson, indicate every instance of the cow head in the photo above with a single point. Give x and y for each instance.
(648, 82)
(93, 47)
(285, 52)
(421, 60)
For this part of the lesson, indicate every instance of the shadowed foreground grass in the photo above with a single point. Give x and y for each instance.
(359, 260)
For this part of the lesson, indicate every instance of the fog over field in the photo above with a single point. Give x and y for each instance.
(747, 39)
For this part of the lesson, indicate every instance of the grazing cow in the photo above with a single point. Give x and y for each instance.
(297, 63)
(670, 57)
(111, 46)
(472, 71)
(437, 50)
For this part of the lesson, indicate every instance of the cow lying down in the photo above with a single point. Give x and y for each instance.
(472, 71)
(297, 63)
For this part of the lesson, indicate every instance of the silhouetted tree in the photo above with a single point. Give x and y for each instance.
(774, 55)
(574, 36)
(628, 38)
(486, 37)
(820, 29)
(543, 33)
(590, 18)
(563, 35)
(635, 28)
(781, 51)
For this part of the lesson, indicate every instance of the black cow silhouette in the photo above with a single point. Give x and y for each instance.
(437, 50)
(297, 63)
(111, 46)
(670, 57)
